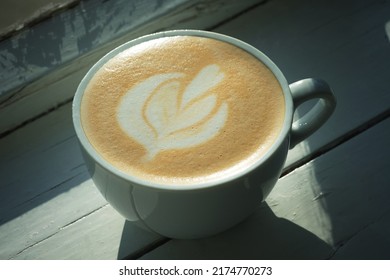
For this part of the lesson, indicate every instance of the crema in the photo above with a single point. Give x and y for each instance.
(182, 110)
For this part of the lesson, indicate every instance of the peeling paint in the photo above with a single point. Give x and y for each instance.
(33, 52)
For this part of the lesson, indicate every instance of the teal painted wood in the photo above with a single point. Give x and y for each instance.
(36, 51)
(15, 19)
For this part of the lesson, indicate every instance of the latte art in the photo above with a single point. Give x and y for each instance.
(160, 117)
(182, 110)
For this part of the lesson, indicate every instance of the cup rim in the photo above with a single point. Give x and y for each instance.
(209, 183)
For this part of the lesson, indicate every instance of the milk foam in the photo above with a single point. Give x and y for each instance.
(160, 116)
(182, 110)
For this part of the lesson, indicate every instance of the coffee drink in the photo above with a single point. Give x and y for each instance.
(182, 110)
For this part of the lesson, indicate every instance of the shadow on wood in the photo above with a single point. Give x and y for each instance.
(261, 236)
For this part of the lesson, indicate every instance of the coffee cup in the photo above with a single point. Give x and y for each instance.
(186, 132)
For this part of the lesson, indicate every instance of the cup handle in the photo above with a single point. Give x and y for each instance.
(305, 90)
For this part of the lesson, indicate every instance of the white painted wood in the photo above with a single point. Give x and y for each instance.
(99, 235)
(49, 207)
(371, 242)
(44, 183)
(42, 155)
(47, 195)
(339, 193)
(335, 206)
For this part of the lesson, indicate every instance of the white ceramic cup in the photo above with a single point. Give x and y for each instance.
(205, 209)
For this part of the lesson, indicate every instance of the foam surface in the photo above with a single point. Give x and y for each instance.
(182, 110)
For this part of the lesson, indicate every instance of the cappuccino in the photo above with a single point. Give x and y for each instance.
(182, 110)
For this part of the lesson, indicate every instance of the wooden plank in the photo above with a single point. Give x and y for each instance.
(349, 185)
(371, 242)
(35, 51)
(104, 235)
(331, 207)
(39, 158)
(47, 214)
(16, 18)
(44, 183)
(48, 196)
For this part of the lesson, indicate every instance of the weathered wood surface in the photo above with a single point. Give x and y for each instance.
(51, 210)
(20, 14)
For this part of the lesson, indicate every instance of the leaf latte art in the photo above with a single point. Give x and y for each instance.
(182, 110)
(160, 116)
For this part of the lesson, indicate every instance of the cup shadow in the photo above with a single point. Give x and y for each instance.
(262, 236)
